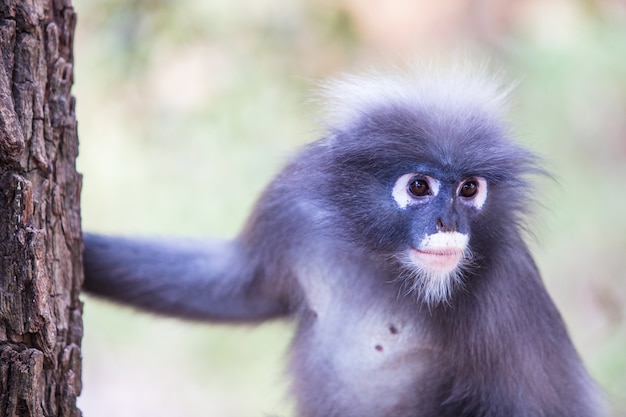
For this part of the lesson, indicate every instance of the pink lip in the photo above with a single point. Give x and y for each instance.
(440, 252)
(437, 259)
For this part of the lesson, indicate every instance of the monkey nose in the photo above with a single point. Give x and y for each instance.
(448, 226)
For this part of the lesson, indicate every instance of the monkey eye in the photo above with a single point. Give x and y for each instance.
(419, 187)
(414, 189)
(469, 188)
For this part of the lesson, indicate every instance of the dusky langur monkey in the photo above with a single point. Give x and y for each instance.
(395, 243)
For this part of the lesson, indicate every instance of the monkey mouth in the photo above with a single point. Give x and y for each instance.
(437, 260)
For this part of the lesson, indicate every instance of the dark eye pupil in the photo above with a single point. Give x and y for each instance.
(419, 188)
(469, 189)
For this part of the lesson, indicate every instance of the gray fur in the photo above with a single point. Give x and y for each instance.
(326, 246)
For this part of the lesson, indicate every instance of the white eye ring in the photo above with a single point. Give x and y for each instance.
(401, 194)
(478, 199)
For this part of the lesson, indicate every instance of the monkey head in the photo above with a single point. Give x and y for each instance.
(430, 182)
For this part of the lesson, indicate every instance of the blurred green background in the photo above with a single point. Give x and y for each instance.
(187, 108)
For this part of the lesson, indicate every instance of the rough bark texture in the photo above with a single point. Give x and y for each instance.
(40, 237)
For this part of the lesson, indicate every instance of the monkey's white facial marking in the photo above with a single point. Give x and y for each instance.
(434, 267)
(412, 188)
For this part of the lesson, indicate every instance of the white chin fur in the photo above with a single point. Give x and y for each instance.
(434, 269)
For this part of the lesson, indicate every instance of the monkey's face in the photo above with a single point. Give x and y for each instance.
(438, 211)
(434, 194)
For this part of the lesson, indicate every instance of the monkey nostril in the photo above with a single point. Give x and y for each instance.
(441, 227)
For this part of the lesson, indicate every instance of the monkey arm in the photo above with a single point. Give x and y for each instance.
(197, 279)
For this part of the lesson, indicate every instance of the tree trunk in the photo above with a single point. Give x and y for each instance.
(40, 236)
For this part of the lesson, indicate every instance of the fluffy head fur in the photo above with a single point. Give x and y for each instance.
(461, 89)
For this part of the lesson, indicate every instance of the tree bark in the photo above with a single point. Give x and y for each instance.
(40, 236)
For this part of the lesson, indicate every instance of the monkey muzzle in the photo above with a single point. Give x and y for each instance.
(440, 253)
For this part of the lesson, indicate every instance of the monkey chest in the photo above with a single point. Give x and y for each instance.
(370, 344)
(369, 360)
